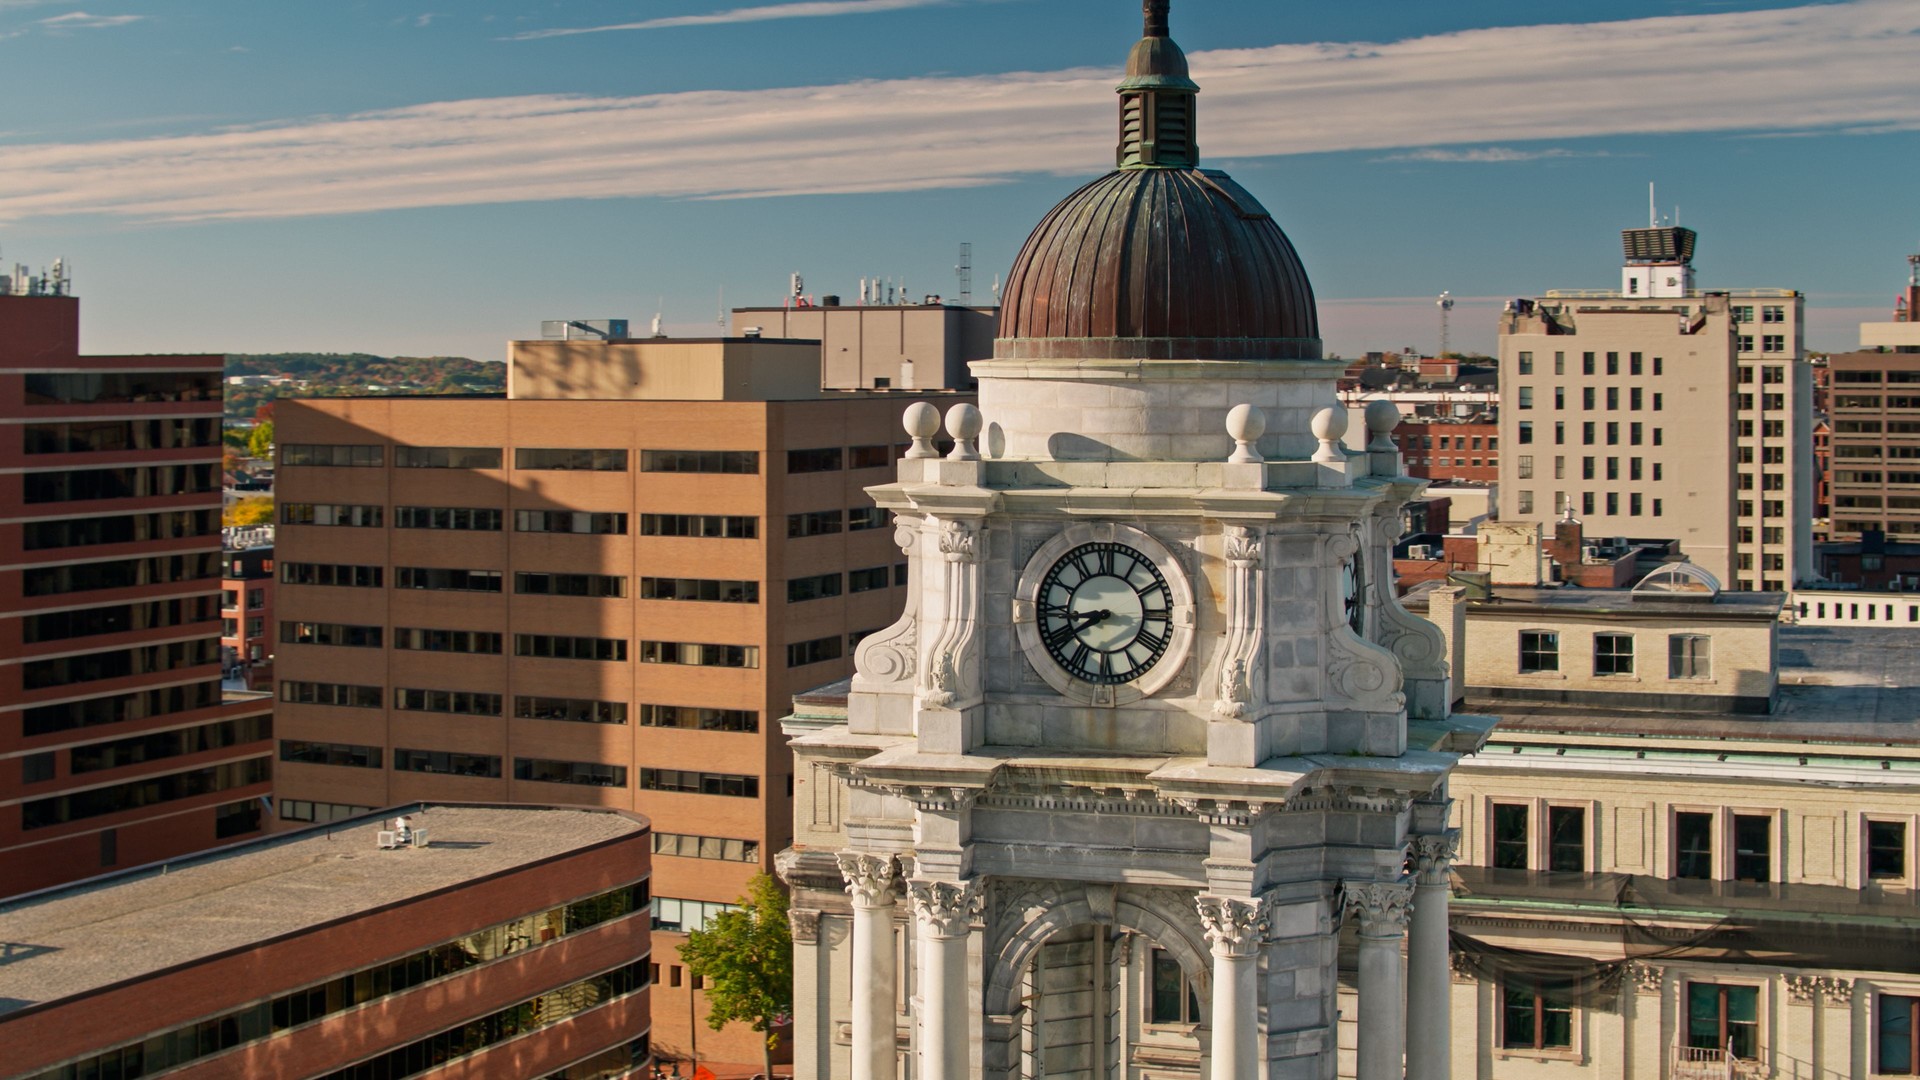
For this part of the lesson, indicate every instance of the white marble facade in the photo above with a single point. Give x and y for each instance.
(1002, 870)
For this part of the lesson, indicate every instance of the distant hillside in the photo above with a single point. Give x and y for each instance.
(341, 374)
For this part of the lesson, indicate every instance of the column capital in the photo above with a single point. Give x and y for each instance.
(1235, 925)
(1381, 906)
(1433, 855)
(871, 878)
(947, 908)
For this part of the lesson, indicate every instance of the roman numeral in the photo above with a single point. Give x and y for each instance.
(1059, 634)
(1106, 665)
(1080, 655)
(1150, 639)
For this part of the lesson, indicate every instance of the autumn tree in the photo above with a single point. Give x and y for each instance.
(745, 957)
(256, 511)
(260, 442)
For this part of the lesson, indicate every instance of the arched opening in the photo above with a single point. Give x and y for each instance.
(1096, 982)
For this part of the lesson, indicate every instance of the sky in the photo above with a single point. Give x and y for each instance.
(431, 177)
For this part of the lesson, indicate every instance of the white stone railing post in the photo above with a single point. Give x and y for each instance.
(871, 880)
(1381, 907)
(1236, 926)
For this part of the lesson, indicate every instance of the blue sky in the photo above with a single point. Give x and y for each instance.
(408, 177)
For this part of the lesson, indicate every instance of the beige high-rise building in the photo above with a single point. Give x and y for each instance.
(601, 589)
(879, 346)
(1662, 411)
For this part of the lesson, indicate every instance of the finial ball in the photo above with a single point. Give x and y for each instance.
(963, 422)
(1330, 424)
(1382, 416)
(922, 421)
(1245, 423)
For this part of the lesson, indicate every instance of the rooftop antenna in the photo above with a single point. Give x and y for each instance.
(1913, 270)
(965, 272)
(720, 317)
(1653, 216)
(1445, 304)
(996, 289)
(659, 311)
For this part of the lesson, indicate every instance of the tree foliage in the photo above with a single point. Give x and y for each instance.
(339, 374)
(256, 511)
(745, 957)
(260, 439)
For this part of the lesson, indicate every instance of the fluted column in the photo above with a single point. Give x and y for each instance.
(871, 880)
(1235, 926)
(1381, 908)
(1429, 983)
(945, 910)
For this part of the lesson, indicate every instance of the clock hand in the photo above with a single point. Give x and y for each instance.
(1091, 617)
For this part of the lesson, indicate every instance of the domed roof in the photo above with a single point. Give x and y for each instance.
(1159, 259)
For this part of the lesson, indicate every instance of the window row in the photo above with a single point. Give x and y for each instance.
(1635, 503)
(145, 792)
(122, 387)
(330, 753)
(119, 663)
(119, 529)
(339, 574)
(1689, 656)
(589, 773)
(160, 745)
(1590, 401)
(119, 574)
(688, 846)
(708, 526)
(455, 702)
(700, 783)
(344, 514)
(698, 654)
(120, 708)
(1637, 433)
(335, 455)
(121, 482)
(342, 694)
(699, 719)
(117, 619)
(702, 589)
(96, 436)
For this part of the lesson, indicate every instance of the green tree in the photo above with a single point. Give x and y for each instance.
(745, 957)
(255, 511)
(260, 442)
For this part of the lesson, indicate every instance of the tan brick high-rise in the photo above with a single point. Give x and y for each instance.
(601, 589)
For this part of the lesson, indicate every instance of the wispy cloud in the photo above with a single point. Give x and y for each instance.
(808, 9)
(1820, 67)
(1493, 155)
(80, 20)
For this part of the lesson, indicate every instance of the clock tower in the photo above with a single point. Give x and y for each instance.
(1154, 733)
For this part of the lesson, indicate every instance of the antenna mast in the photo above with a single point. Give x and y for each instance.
(1445, 304)
(1653, 216)
(965, 272)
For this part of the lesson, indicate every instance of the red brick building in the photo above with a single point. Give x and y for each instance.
(117, 744)
(493, 941)
(246, 606)
(1466, 452)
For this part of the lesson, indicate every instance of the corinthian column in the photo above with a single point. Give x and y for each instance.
(871, 880)
(945, 910)
(1429, 983)
(1381, 907)
(1235, 926)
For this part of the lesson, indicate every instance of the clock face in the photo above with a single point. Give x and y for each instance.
(1353, 587)
(1104, 613)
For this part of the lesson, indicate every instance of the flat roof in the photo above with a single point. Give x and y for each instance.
(1578, 601)
(93, 934)
(1852, 685)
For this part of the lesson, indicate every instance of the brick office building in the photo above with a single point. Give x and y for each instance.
(512, 941)
(246, 605)
(117, 744)
(600, 589)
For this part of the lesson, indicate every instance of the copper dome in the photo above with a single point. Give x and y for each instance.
(1158, 259)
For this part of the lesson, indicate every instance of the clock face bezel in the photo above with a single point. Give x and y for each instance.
(1027, 597)
(1090, 627)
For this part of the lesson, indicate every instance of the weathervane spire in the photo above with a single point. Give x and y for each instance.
(1156, 18)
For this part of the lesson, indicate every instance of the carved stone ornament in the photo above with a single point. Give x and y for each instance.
(1242, 546)
(960, 541)
(948, 908)
(1802, 988)
(942, 681)
(1381, 906)
(871, 878)
(1648, 977)
(1836, 990)
(1234, 690)
(888, 657)
(1432, 856)
(1235, 925)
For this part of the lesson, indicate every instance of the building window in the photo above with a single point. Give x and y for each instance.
(313, 693)
(330, 514)
(352, 636)
(35, 768)
(1633, 363)
(326, 753)
(1886, 850)
(1613, 503)
(1586, 363)
(1743, 343)
(1537, 1019)
(701, 589)
(1559, 432)
(1539, 650)
(867, 457)
(1526, 397)
(562, 647)
(446, 457)
(1693, 845)
(1896, 1035)
(574, 710)
(354, 457)
(1773, 343)
(819, 650)
(570, 459)
(1172, 1000)
(1559, 397)
(1587, 398)
(813, 523)
(1525, 502)
(1613, 363)
(698, 655)
(688, 846)
(742, 462)
(700, 783)
(1524, 466)
(826, 459)
(693, 718)
(1512, 839)
(1559, 363)
(589, 773)
(1586, 503)
(456, 518)
(580, 522)
(1633, 503)
(708, 526)
(455, 702)
(1772, 313)
(818, 587)
(1753, 847)
(875, 577)
(1613, 399)
(1689, 656)
(448, 762)
(359, 577)
(1526, 362)
(1567, 839)
(865, 517)
(598, 586)
(446, 579)
(1723, 1017)
(1586, 433)
(1613, 654)
(420, 639)
(1526, 431)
